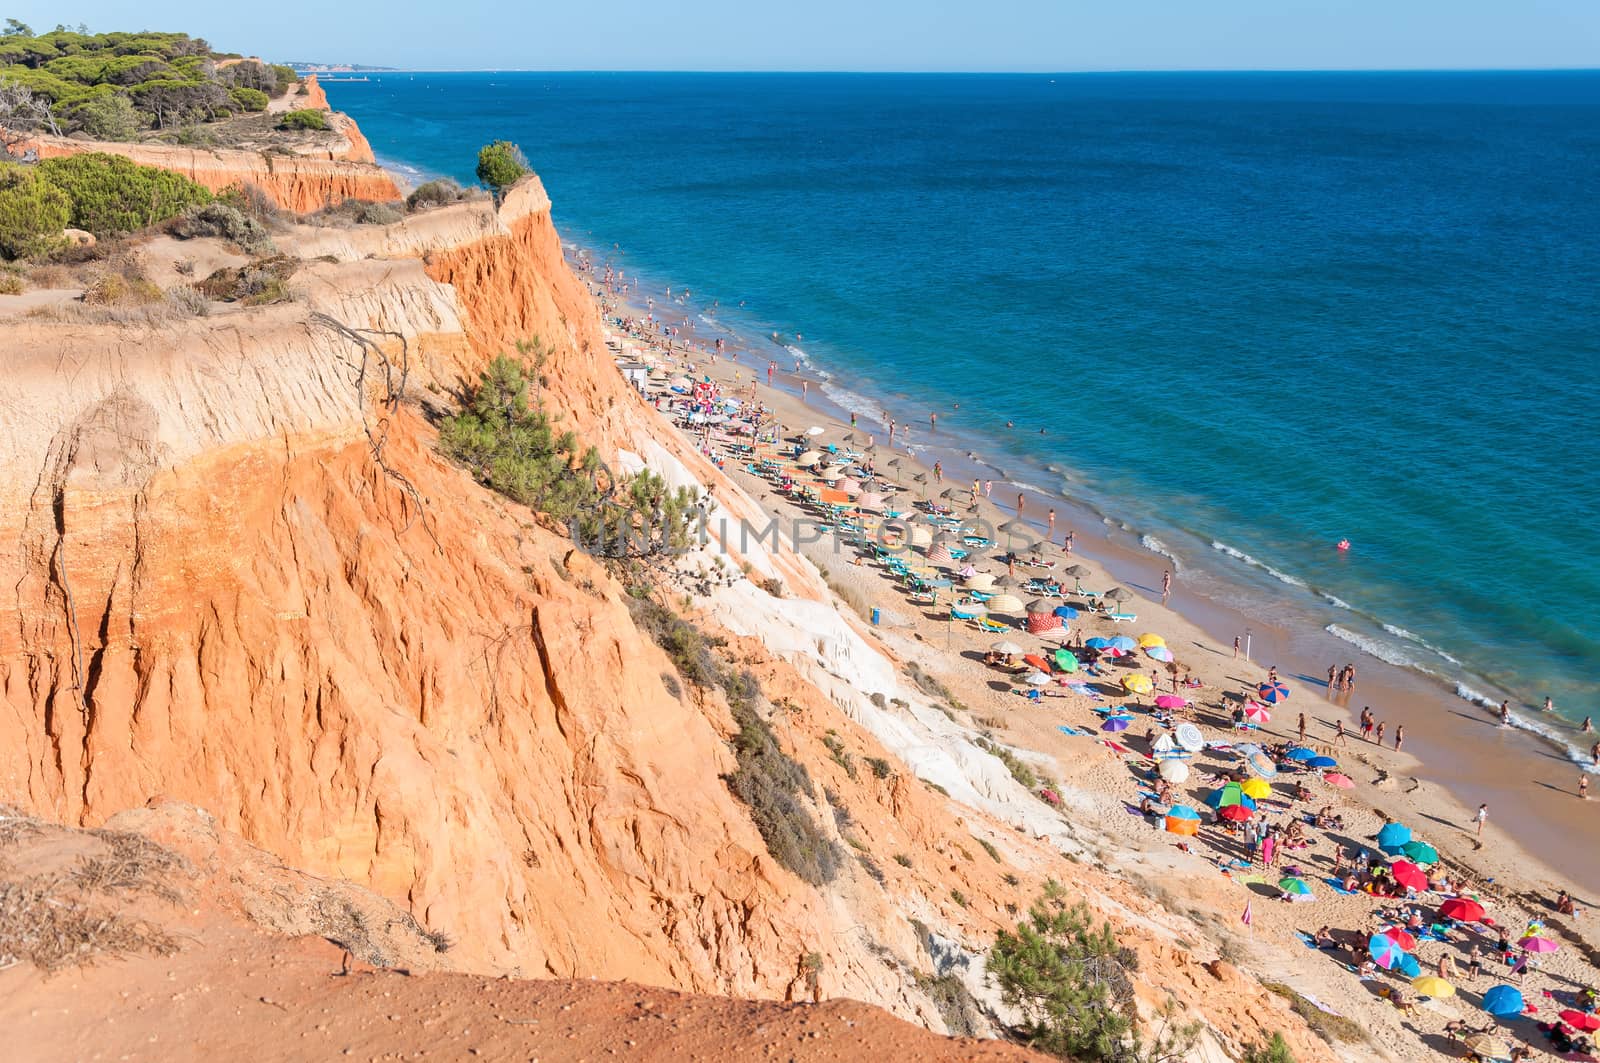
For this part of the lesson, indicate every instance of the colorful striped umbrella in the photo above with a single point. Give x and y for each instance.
(1272, 693)
(1295, 886)
(1256, 713)
(1229, 794)
(1400, 936)
(1385, 952)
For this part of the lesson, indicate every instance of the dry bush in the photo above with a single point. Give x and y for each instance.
(46, 924)
(113, 289)
(16, 825)
(53, 275)
(132, 863)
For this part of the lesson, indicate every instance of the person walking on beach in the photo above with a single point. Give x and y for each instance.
(1236, 647)
(1302, 728)
(1583, 786)
(1475, 963)
(938, 472)
(1332, 673)
(1483, 817)
(891, 431)
(1051, 533)
(933, 422)
(1381, 726)
(1066, 544)
(988, 488)
(1349, 677)
(1338, 735)
(1505, 713)
(1166, 586)
(805, 390)
(1399, 736)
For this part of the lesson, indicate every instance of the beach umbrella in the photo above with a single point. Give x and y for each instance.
(1005, 603)
(1004, 581)
(1333, 778)
(939, 554)
(815, 430)
(1461, 910)
(1014, 527)
(919, 536)
(1066, 612)
(1431, 986)
(1385, 952)
(1257, 713)
(1262, 765)
(1113, 652)
(1038, 662)
(1172, 770)
(1136, 684)
(1118, 594)
(1257, 788)
(1322, 762)
(1294, 887)
(1082, 688)
(1301, 753)
(1034, 548)
(1393, 837)
(1420, 852)
(1150, 640)
(870, 500)
(1124, 643)
(1189, 737)
(1159, 653)
(1537, 944)
(1010, 649)
(1236, 813)
(1171, 701)
(1075, 571)
(1486, 1046)
(1098, 643)
(1066, 661)
(1181, 819)
(1409, 875)
(1503, 1000)
(1039, 605)
(1400, 936)
(680, 382)
(810, 457)
(1229, 794)
(1037, 679)
(1581, 1020)
(980, 581)
(1116, 723)
(948, 493)
(1272, 693)
(1408, 966)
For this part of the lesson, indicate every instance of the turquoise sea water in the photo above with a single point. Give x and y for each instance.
(1256, 313)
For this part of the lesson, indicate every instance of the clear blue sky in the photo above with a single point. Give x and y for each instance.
(1028, 35)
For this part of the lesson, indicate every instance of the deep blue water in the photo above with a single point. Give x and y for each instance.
(1264, 311)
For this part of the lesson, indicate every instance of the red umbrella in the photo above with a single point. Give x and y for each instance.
(1461, 910)
(1581, 1020)
(1409, 875)
(1236, 813)
(1038, 662)
(1400, 937)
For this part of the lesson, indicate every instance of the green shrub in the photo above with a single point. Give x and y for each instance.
(684, 645)
(1331, 1028)
(111, 195)
(434, 194)
(771, 784)
(881, 769)
(11, 284)
(248, 99)
(500, 164)
(1070, 981)
(963, 1016)
(308, 118)
(32, 213)
(107, 116)
(1274, 1050)
(226, 221)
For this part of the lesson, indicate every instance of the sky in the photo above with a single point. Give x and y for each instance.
(876, 35)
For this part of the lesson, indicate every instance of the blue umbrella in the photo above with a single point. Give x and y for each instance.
(1386, 952)
(1393, 837)
(1300, 753)
(1408, 966)
(1182, 812)
(1272, 693)
(1124, 642)
(1098, 643)
(1322, 762)
(1503, 1000)
(1066, 612)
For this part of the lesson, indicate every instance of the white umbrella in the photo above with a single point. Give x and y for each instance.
(1010, 649)
(1037, 679)
(1173, 771)
(1190, 738)
(1163, 744)
(1005, 603)
(983, 581)
(920, 536)
(814, 431)
(808, 458)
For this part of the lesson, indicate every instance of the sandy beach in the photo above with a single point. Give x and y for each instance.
(1454, 756)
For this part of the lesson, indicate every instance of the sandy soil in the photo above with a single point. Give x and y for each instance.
(1100, 785)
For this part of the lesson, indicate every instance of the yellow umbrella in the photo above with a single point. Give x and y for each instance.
(1136, 684)
(1256, 788)
(1150, 639)
(1429, 986)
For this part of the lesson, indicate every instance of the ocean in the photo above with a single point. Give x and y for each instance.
(1243, 316)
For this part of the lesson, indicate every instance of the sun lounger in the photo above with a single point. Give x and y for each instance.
(1124, 618)
(985, 624)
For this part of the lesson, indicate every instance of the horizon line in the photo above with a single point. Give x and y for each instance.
(969, 73)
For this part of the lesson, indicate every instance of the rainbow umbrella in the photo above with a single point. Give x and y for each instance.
(1137, 684)
(1158, 653)
(1272, 693)
(1181, 819)
(1420, 852)
(1409, 875)
(1113, 652)
(1343, 782)
(1430, 986)
(1393, 837)
(1461, 910)
(1537, 944)
(1256, 788)
(1385, 952)
(1503, 1000)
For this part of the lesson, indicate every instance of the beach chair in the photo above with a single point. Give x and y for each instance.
(1124, 618)
(993, 626)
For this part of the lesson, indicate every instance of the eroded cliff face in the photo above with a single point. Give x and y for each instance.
(243, 578)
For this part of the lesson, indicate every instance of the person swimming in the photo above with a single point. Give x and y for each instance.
(1343, 544)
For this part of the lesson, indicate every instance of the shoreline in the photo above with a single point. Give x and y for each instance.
(1467, 765)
